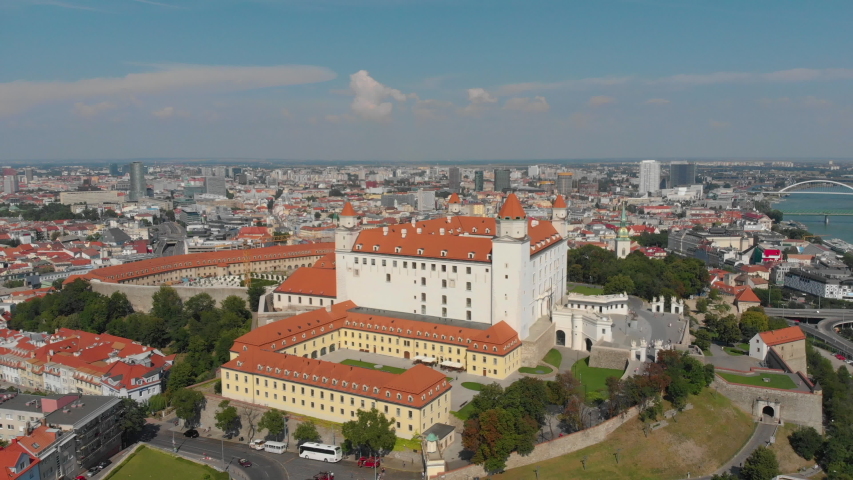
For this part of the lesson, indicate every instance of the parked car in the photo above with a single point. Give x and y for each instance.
(104, 464)
(323, 476)
(80, 477)
(840, 357)
(257, 444)
(369, 462)
(849, 362)
(191, 433)
(244, 463)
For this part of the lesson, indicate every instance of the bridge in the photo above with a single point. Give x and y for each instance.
(821, 187)
(820, 324)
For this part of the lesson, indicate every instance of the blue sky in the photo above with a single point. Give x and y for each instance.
(425, 80)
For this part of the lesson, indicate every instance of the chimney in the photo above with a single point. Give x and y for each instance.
(403, 232)
(420, 230)
(385, 231)
(448, 219)
(441, 231)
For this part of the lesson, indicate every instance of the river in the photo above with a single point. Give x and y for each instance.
(838, 226)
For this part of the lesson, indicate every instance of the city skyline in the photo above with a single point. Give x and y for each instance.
(374, 81)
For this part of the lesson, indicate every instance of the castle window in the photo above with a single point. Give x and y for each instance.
(421, 252)
(444, 253)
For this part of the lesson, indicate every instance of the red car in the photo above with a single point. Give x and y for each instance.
(79, 477)
(840, 356)
(369, 462)
(324, 476)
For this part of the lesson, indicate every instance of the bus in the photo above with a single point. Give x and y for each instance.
(275, 447)
(319, 451)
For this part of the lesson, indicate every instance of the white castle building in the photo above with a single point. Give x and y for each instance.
(478, 269)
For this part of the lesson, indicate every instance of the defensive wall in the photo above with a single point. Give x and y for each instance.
(802, 407)
(140, 296)
(547, 450)
(601, 356)
(534, 349)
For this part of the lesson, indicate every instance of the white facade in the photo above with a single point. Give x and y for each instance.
(649, 176)
(579, 330)
(517, 282)
(757, 348)
(604, 304)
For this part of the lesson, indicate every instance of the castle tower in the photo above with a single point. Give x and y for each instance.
(623, 238)
(345, 236)
(454, 205)
(512, 277)
(559, 213)
(512, 220)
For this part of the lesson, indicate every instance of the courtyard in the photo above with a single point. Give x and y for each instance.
(147, 464)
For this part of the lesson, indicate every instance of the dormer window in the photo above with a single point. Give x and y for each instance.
(398, 249)
(376, 248)
(358, 247)
(420, 251)
(470, 254)
(488, 230)
(444, 253)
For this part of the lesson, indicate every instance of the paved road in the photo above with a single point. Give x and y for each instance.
(824, 328)
(761, 436)
(265, 466)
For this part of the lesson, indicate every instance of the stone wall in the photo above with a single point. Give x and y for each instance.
(609, 357)
(534, 349)
(544, 451)
(802, 408)
(140, 295)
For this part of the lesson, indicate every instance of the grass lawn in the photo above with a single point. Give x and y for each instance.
(584, 290)
(539, 370)
(776, 380)
(594, 378)
(553, 357)
(789, 462)
(473, 386)
(708, 353)
(147, 464)
(737, 350)
(403, 444)
(372, 366)
(701, 440)
(464, 413)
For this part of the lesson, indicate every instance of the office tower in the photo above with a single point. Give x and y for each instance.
(215, 186)
(565, 183)
(115, 170)
(455, 179)
(29, 174)
(682, 174)
(137, 181)
(478, 181)
(426, 200)
(501, 179)
(533, 171)
(10, 183)
(649, 176)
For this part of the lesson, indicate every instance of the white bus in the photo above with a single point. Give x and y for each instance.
(319, 451)
(275, 447)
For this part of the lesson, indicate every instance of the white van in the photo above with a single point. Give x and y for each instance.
(275, 447)
(319, 451)
(256, 444)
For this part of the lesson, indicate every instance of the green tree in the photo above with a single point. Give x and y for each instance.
(119, 306)
(236, 305)
(372, 430)
(187, 404)
(619, 284)
(181, 375)
(226, 417)
(273, 421)
(167, 304)
(728, 330)
(197, 304)
(132, 419)
(752, 322)
(703, 339)
(806, 442)
(255, 291)
(199, 357)
(306, 432)
(702, 305)
(760, 465)
(495, 434)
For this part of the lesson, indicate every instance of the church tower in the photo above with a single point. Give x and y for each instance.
(559, 213)
(623, 238)
(454, 205)
(345, 236)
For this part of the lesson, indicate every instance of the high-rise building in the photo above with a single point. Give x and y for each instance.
(215, 186)
(649, 176)
(565, 183)
(478, 181)
(137, 181)
(29, 174)
(454, 179)
(115, 170)
(501, 179)
(682, 174)
(10, 183)
(426, 200)
(533, 171)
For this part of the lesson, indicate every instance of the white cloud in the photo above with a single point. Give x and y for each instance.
(479, 99)
(431, 109)
(781, 76)
(516, 88)
(808, 102)
(169, 112)
(718, 125)
(600, 100)
(814, 102)
(19, 96)
(89, 111)
(656, 101)
(526, 104)
(369, 102)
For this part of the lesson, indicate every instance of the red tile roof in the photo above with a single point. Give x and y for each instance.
(454, 198)
(747, 295)
(559, 202)
(783, 335)
(328, 261)
(319, 282)
(512, 209)
(348, 211)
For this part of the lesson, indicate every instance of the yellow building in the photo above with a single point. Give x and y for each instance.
(415, 399)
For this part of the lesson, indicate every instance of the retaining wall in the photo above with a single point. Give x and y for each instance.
(534, 349)
(544, 451)
(609, 357)
(140, 295)
(802, 408)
